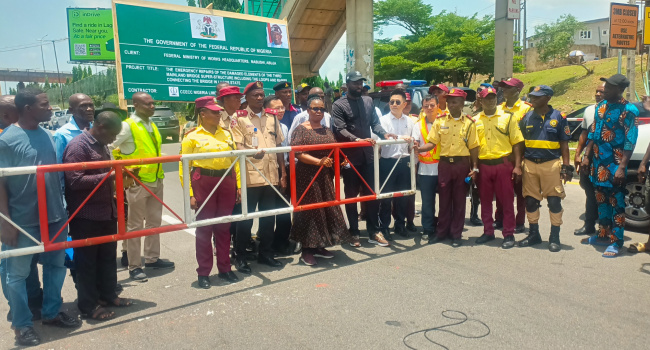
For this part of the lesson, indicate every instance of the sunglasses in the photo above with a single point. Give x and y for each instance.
(318, 109)
(395, 102)
(428, 106)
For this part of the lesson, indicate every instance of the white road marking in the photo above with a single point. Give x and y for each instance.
(174, 221)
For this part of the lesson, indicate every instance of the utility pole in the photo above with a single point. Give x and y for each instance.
(525, 30)
(503, 41)
(631, 65)
(42, 56)
(58, 73)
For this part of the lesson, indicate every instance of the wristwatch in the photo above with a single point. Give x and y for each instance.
(475, 170)
(357, 139)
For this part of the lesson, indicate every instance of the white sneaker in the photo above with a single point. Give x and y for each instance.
(379, 240)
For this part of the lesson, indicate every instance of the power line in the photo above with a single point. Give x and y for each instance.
(16, 48)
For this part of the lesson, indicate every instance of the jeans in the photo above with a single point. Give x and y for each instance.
(19, 268)
(32, 282)
(428, 189)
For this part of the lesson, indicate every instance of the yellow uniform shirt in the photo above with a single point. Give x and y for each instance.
(497, 134)
(269, 135)
(455, 137)
(202, 141)
(519, 110)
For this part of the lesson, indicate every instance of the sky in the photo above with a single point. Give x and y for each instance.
(26, 21)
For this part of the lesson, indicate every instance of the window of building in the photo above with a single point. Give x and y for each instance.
(604, 32)
(532, 44)
(585, 34)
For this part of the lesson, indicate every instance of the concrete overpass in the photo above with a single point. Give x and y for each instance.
(33, 76)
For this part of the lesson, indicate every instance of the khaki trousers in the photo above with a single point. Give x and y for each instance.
(542, 181)
(145, 212)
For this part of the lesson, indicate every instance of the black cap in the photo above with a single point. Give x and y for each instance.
(302, 87)
(282, 85)
(617, 80)
(541, 90)
(354, 76)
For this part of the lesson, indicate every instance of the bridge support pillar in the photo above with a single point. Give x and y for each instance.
(359, 51)
(503, 41)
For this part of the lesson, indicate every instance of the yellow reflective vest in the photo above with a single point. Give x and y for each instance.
(146, 146)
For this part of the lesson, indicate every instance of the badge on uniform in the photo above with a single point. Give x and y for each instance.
(242, 113)
(553, 123)
(233, 123)
(271, 111)
(567, 130)
(444, 127)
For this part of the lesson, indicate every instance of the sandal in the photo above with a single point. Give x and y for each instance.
(613, 248)
(121, 302)
(99, 314)
(597, 241)
(637, 248)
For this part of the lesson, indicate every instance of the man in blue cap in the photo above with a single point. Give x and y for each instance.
(546, 137)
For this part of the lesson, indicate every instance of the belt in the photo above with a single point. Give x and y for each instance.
(453, 159)
(541, 160)
(493, 161)
(212, 172)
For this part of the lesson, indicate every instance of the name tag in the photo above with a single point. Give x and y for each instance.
(250, 126)
(530, 126)
(444, 127)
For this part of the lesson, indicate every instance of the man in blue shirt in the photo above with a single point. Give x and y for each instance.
(27, 144)
(612, 138)
(83, 113)
(546, 137)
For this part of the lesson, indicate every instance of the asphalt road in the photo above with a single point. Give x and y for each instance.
(373, 297)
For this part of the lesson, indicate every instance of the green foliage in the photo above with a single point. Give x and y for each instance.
(47, 85)
(223, 5)
(553, 40)
(12, 91)
(412, 15)
(114, 99)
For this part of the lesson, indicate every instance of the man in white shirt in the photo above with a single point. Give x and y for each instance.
(428, 165)
(304, 116)
(591, 206)
(401, 125)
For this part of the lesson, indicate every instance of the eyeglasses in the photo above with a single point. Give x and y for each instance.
(318, 109)
(395, 102)
(428, 106)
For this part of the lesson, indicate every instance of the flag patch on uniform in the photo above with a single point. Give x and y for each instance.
(567, 130)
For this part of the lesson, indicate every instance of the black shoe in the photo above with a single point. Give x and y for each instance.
(554, 240)
(251, 247)
(410, 226)
(508, 242)
(585, 231)
(532, 239)
(229, 277)
(160, 264)
(242, 266)
(520, 229)
(386, 233)
(484, 239)
(498, 225)
(475, 221)
(204, 282)
(63, 320)
(267, 260)
(27, 337)
(456, 242)
(125, 260)
(433, 239)
(138, 275)
(401, 231)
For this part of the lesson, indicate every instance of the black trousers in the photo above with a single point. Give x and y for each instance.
(399, 180)
(354, 186)
(259, 198)
(591, 206)
(282, 222)
(96, 264)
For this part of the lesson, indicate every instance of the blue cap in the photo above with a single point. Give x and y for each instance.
(367, 87)
(541, 90)
(487, 85)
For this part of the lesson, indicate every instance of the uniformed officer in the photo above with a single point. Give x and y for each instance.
(210, 136)
(459, 146)
(255, 129)
(511, 88)
(499, 134)
(230, 99)
(283, 92)
(546, 134)
(441, 92)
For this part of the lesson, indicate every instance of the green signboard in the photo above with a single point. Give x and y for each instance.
(91, 34)
(179, 53)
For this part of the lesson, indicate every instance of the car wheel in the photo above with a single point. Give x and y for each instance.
(636, 213)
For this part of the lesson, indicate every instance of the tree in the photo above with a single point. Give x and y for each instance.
(12, 91)
(223, 5)
(90, 71)
(47, 86)
(554, 40)
(412, 15)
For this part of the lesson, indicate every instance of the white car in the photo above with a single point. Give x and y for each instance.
(636, 214)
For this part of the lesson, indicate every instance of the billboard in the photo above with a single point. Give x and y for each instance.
(180, 53)
(623, 24)
(91, 34)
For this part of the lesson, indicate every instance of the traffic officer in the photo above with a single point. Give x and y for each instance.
(255, 129)
(459, 146)
(440, 91)
(205, 174)
(283, 92)
(499, 134)
(511, 88)
(229, 99)
(546, 136)
(612, 137)
(139, 139)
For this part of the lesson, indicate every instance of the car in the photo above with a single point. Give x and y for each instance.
(59, 119)
(166, 122)
(575, 120)
(637, 216)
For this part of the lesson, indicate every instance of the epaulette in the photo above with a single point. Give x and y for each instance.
(271, 111)
(528, 103)
(442, 115)
(469, 117)
(241, 113)
(563, 115)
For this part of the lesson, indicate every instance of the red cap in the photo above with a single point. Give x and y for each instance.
(439, 86)
(512, 82)
(229, 90)
(486, 91)
(408, 97)
(456, 92)
(253, 86)
(208, 102)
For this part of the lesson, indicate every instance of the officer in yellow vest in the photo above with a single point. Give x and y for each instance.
(138, 139)
(428, 164)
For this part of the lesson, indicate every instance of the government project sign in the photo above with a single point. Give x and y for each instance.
(179, 53)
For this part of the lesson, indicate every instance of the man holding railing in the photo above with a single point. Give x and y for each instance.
(27, 144)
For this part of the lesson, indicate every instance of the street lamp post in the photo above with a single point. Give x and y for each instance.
(58, 73)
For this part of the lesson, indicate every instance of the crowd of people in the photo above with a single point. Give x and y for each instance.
(514, 151)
